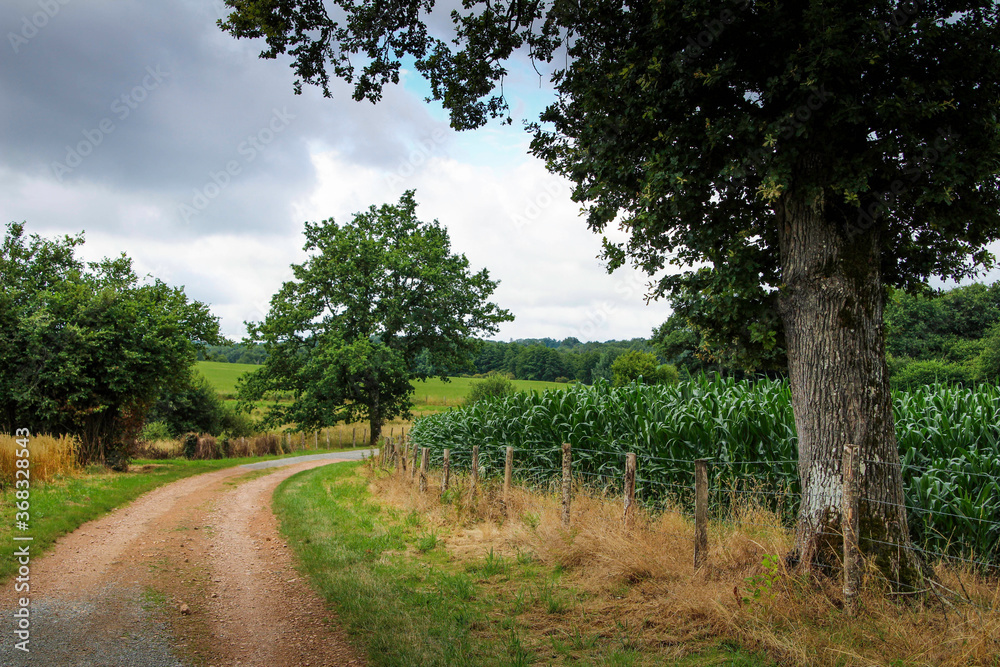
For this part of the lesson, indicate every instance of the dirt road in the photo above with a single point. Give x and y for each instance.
(192, 573)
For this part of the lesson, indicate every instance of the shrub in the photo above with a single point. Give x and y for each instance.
(667, 374)
(154, 431)
(190, 441)
(237, 424)
(988, 363)
(634, 365)
(493, 385)
(910, 374)
(193, 407)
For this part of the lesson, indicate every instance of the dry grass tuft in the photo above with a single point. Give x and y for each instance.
(159, 449)
(49, 457)
(643, 579)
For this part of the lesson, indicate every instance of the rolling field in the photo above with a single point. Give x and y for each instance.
(427, 395)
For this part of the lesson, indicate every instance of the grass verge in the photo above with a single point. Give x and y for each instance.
(409, 592)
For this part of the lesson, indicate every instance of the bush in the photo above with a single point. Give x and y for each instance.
(667, 374)
(190, 445)
(988, 363)
(156, 430)
(910, 374)
(193, 407)
(494, 384)
(237, 424)
(635, 365)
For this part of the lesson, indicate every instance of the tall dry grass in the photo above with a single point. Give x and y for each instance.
(643, 578)
(49, 457)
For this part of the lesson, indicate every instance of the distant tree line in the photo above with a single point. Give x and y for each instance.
(551, 360)
(949, 335)
(931, 335)
(239, 353)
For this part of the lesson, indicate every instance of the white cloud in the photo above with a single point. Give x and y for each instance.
(521, 225)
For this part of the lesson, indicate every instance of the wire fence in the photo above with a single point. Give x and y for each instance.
(936, 533)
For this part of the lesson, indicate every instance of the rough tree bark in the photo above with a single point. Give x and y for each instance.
(832, 312)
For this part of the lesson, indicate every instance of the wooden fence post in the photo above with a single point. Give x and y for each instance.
(397, 454)
(413, 470)
(508, 468)
(567, 481)
(474, 482)
(852, 555)
(315, 439)
(629, 489)
(354, 437)
(700, 512)
(424, 459)
(447, 470)
(327, 433)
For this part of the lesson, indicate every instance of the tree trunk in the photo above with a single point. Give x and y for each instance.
(831, 307)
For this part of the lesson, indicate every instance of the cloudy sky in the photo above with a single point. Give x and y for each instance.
(144, 125)
(164, 138)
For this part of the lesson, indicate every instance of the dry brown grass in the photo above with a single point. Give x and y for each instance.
(643, 579)
(49, 456)
(159, 449)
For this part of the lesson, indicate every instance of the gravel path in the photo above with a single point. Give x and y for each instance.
(191, 573)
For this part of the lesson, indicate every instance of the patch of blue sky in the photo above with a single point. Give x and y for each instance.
(496, 144)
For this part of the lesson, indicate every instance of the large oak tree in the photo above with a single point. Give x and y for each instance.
(810, 153)
(375, 294)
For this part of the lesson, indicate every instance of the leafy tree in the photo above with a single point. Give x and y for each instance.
(934, 324)
(375, 294)
(493, 385)
(602, 369)
(86, 348)
(806, 154)
(910, 374)
(988, 363)
(633, 366)
(193, 406)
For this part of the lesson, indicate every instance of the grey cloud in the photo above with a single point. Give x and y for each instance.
(153, 98)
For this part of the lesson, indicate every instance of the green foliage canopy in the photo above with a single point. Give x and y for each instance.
(689, 123)
(86, 348)
(343, 337)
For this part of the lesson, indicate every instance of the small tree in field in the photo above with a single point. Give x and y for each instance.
(375, 294)
(492, 386)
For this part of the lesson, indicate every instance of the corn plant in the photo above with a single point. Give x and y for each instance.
(949, 441)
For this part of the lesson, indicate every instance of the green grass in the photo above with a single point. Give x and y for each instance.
(431, 393)
(405, 601)
(222, 375)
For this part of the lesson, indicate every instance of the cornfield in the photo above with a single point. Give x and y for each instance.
(949, 442)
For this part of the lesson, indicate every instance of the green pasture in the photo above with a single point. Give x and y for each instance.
(430, 393)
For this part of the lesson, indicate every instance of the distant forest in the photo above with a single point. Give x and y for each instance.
(948, 335)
